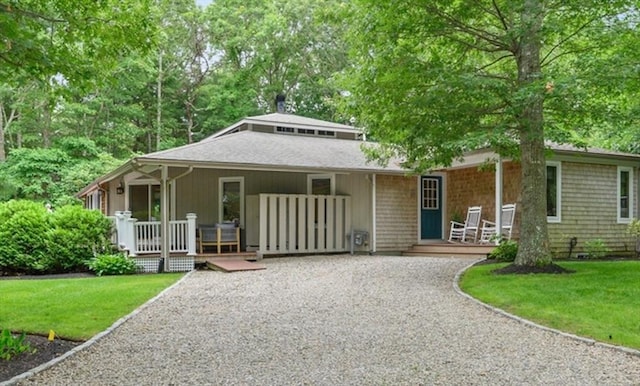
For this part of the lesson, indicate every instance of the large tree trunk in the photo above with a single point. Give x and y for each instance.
(534, 239)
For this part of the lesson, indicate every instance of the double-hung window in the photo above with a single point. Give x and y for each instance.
(554, 190)
(625, 194)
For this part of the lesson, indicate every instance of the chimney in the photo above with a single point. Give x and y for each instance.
(280, 103)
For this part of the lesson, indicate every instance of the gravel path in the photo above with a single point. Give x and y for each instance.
(335, 320)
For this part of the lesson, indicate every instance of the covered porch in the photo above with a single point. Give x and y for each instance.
(286, 224)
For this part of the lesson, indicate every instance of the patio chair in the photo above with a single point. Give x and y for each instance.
(469, 229)
(225, 234)
(489, 227)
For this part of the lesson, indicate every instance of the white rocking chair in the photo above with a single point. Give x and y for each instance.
(489, 228)
(469, 229)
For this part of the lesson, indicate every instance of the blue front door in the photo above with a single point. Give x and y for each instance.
(430, 207)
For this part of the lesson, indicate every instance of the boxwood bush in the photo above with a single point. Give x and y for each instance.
(36, 241)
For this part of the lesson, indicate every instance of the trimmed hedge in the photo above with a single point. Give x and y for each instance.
(36, 241)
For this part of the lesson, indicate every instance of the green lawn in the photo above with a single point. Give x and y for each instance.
(75, 308)
(601, 300)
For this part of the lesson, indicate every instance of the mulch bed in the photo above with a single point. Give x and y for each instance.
(525, 269)
(44, 352)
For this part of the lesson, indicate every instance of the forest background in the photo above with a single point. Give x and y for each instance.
(83, 87)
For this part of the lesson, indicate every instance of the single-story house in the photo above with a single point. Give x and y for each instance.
(300, 185)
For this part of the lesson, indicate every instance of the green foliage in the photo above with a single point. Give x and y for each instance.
(634, 228)
(54, 174)
(112, 265)
(593, 302)
(506, 251)
(23, 229)
(596, 249)
(11, 346)
(36, 241)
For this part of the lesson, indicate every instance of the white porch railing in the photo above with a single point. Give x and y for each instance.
(299, 223)
(144, 237)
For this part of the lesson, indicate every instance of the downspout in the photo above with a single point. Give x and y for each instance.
(373, 214)
(498, 199)
(164, 218)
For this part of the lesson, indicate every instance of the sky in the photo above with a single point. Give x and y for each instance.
(203, 3)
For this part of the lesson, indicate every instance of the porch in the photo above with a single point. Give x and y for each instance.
(286, 224)
(445, 249)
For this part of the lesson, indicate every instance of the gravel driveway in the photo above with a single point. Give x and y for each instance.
(338, 320)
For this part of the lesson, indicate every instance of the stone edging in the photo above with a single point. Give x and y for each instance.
(529, 323)
(94, 339)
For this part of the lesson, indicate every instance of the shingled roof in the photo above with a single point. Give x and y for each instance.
(263, 151)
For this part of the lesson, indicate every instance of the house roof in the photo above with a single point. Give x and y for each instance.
(286, 120)
(255, 150)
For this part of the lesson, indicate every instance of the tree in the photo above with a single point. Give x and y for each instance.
(433, 79)
(69, 38)
(275, 47)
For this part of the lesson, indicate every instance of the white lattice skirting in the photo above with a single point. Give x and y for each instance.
(147, 264)
(176, 264)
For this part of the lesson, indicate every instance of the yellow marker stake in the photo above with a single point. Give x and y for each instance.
(52, 335)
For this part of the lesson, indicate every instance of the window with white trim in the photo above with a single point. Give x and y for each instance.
(554, 191)
(625, 194)
(231, 200)
(322, 184)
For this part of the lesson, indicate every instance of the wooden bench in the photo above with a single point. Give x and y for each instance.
(219, 235)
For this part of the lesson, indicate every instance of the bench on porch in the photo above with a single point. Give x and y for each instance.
(219, 235)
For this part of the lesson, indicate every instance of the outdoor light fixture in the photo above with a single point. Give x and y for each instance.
(120, 189)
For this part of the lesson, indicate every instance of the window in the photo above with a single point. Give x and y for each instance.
(625, 194)
(430, 193)
(554, 184)
(281, 129)
(231, 202)
(323, 184)
(144, 201)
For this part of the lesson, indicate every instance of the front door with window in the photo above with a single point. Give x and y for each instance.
(431, 207)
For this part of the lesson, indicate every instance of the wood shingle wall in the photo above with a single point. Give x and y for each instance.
(589, 209)
(396, 212)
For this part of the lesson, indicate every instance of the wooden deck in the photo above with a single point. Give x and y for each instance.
(446, 249)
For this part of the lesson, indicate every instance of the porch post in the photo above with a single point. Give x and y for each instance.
(191, 234)
(164, 218)
(498, 199)
(130, 234)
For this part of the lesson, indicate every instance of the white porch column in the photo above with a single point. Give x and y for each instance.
(119, 215)
(164, 218)
(130, 234)
(191, 234)
(498, 199)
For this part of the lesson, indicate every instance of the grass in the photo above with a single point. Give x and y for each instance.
(75, 308)
(601, 300)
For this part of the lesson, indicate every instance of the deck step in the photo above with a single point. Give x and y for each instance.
(449, 250)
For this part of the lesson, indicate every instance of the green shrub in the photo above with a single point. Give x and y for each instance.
(12, 345)
(76, 236)
(35, 241)
(596, 249)
(506, 251)
(112, 265)
(23, 229)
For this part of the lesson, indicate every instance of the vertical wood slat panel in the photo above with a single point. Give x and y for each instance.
(302, 211)
(263, 223)
(303, 223)
(330, 224)
(283, 246)
(311, 219)
(273, 226)
(321, 225)
(293, 244)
